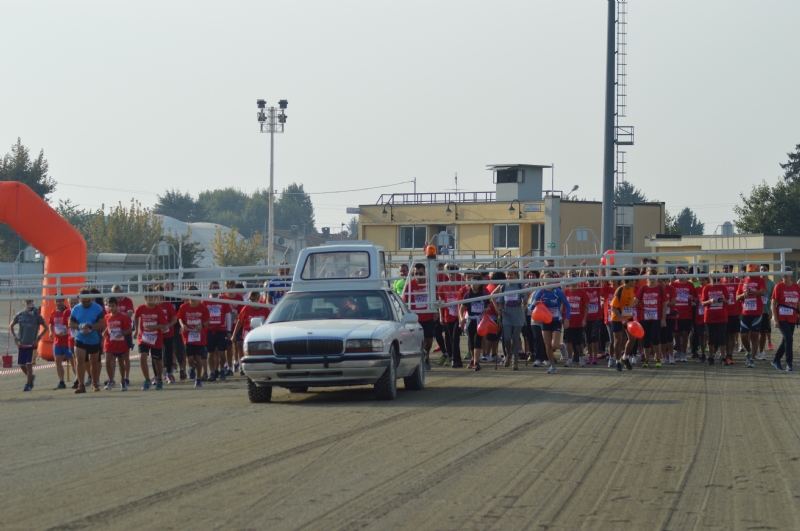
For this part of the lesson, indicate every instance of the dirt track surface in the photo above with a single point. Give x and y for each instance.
(682, 447)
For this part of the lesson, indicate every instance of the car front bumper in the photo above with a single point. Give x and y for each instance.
(315, 371)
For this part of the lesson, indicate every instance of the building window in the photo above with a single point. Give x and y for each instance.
(537, 240)
(413, 237)
(505, 237)
(624, 238)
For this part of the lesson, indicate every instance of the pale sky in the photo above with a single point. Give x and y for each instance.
(143, 96)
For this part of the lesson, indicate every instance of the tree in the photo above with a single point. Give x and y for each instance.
(77, 217)
(294, 208)
(671, 224)
(792, 168)
(17, 165)
(770, 209)
(688, 222)
(229, 249)
(124, 230)
(627, 194)
(191, 251)
(180, 206)
(352, 227)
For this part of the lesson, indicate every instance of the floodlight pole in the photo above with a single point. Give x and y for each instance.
(271, 120)
(607, 233)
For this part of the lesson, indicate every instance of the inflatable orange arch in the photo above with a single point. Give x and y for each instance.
(62, 245)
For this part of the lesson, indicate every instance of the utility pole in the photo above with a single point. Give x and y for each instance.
(607, 234)
(272, 121)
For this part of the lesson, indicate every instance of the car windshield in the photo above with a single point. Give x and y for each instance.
(336, 265)
(332, 305)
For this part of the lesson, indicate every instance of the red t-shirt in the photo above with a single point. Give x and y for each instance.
(716, 312)
(169, 314)
(787, 296)
(684, 293)
(60, 321)
(652, 302)
(249, 312)
(114, 342)
(578, 301)
(492, 312)
(732, 285)
(450, 294)
(593, 295)
(149, 317)
(193, 316)
(217, 310)
(419, 299)
(608, 296)
(124, 305)
(753, 305)
(233, 297)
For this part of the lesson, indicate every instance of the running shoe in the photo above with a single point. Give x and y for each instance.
(563, 350)
(671, 359)
(175, 367)
(33, 379)
(594, 360)
(683, 357)
(634, 359)
(477, 367)
(551, 370)
(241, 372)
(61, 385)
(546, 363)
(568, 363)
(127, 382)
(159, 384)
(611, 363)
(198, 382)
(183, 375)
(703, 358)
(146, 385)
(123, 387)
(154, 380)
(222, 376)
(776, 364)
(695, 356)
(442, 361)
(515, 367)
(76, 384)
(27, 387)
(235, 366)
(470, 365)
(769, 344)
(750, 364)
(95, 388)
(619, 366)
(468, 356)
(205, 377)
(627, 363)
(762, 356)
(602, 355)
(537, 363)
(788, 368)
(582, 361)
(645, 365)
(427, 363)
(711, 360)
(80, 390)
(213, 377)
(740, 349)
(110, 385)
(658, 365)
(507, 361)
(192, 374)
(229, 372)
(88, 382)
(484, 358)
(170, 379)
(730, 361)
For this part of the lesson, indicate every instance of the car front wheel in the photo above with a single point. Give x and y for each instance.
(257, 394)
(416, 382)
(386, 386)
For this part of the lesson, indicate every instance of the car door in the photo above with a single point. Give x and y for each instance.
(410, 335)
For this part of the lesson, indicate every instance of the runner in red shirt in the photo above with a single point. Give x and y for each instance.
(194, 317)
(699, 336)
(734, 310)
(126, 307)
(59, 333)
(574, 335)
(417, 297)
(785, 303)
(234, 351)
(118, 325)
(714, 300)
(749, 293)
(169, 333)
(594, 316)
(449, 316)
(653, 299)
(218, 334)
(685, 295)
(150, 322)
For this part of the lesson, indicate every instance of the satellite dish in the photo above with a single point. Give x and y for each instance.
(281, 241)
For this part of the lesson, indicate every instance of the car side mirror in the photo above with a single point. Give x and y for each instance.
(410, 318)
(255, 322)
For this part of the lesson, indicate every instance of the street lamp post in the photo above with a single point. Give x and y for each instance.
(271, 120)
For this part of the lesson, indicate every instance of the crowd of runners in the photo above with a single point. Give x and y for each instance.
(198, 339)
(693, 316)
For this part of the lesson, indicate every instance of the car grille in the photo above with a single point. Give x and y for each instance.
(309, 347)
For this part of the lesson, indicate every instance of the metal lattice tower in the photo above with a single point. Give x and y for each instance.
(623, 134)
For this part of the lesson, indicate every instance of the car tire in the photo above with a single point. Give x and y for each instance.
(258, 394)
(416, 382)
(386, 386)
(298, 389)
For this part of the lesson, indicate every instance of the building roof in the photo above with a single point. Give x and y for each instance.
(509, 166)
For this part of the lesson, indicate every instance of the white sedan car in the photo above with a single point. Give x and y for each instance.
(332, 338)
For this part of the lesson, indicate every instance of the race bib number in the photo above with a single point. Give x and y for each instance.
(785, 311)
(765, 299)
(682, 296)
(149, 338)
(60, 329)
(194, 337)
(750, 305)
(556, 312)
(73, 333)
(594, 308)
(452, 310)
(420, 299)
(215, 311)
(116, 334)
(651, 315)
(477, 307)
(628, 311)
(701, 310)
(512, 298)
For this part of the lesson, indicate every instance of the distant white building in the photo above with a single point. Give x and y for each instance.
(202, 233)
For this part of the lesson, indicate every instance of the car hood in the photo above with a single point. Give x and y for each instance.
(339, 328)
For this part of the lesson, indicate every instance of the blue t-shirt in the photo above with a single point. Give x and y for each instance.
(87, 315)
(277, 288)
(553, 300)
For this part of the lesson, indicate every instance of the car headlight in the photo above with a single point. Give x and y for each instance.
(258, 347)
(363, 345)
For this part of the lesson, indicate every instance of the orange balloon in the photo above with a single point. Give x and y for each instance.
(541, 314)
(610, 258)
(62, 245)
(486, 326)
(635, 329)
